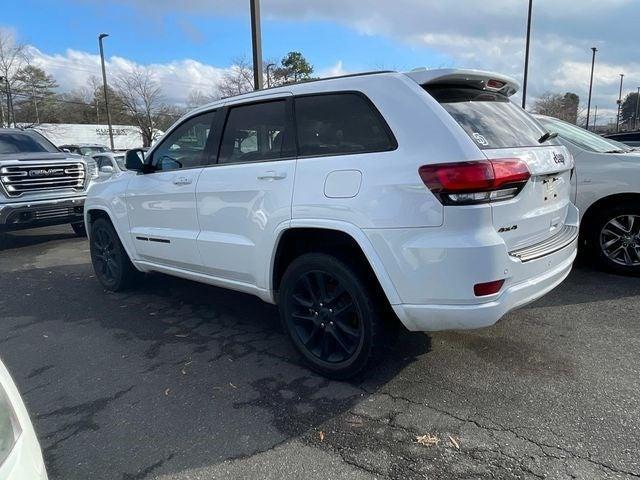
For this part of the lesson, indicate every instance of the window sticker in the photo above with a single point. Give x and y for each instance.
(480, 139)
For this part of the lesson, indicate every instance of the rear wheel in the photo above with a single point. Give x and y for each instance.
(110, 260)
(614, 238)
(331, 314)
(79, 229)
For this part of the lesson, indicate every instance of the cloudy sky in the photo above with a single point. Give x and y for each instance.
(190, 43)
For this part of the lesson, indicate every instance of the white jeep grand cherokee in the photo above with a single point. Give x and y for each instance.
(350, 202)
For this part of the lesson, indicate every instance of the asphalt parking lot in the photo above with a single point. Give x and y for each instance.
(177, 380)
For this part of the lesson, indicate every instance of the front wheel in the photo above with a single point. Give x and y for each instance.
(110, 260)
(332, 315)
(614, 237)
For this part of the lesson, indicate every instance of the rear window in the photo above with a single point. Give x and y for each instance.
(490, 119)
(24, 142)
(340, 124)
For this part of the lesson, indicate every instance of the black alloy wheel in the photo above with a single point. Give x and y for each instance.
(110, 260)
(332, 313)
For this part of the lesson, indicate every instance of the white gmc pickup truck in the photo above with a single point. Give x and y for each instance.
(39, 184)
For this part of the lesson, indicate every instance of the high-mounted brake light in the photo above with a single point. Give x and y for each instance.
(475, 182)
(495, 84)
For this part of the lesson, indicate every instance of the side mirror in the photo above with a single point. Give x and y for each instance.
(107, 169)
(134, 159)
(65, 150)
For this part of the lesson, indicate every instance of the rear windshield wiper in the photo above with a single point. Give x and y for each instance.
(547, 136)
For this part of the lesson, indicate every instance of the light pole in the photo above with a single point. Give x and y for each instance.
(256, 43)
(637, 107)
(269, 65)
(593, 62)
(526, 56)
(105, 88)
(619, 103)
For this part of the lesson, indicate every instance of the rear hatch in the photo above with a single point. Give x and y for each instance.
(504, 131)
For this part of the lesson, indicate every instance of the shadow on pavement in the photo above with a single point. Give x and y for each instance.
(171, 376)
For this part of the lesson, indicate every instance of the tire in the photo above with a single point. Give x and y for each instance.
(111, 263)
(613, 238)
(314, 288)
(79, 229)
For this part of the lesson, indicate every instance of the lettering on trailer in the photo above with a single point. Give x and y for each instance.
(116, 131)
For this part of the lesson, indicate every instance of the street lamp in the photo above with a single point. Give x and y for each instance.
(526, 56)
(619, 103)
(104, 87)
(269, 65)
(256, 43)
(593, 62)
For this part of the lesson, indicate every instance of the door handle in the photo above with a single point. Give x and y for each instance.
(271, 175)
(182, 181)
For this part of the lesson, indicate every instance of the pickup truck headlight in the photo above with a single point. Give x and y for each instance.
(9, 426)
(92, 168)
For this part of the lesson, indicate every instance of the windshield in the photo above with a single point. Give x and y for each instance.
(92, 150)
(490, 119)
(582, 138)
(25, 142)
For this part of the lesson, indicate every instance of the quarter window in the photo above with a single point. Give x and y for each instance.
(255, 132)
(341, 123)
(186, 146)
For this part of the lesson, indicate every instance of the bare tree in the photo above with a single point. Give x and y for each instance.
(238, 80)
(198, 98)
(564, 107)
(14, 57)
(141, 98)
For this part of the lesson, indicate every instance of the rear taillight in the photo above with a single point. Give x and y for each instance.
(482, 181)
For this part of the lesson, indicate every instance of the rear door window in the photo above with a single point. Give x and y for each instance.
(255, 132)
(490, 119)
(339, 124)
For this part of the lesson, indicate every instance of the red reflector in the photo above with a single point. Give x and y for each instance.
(488, 288)
(482, 175)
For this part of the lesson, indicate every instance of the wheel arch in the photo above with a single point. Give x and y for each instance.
(95, 212)
(301, 237)
(603, 203)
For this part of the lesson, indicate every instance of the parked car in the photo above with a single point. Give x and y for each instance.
(608, 195)
(85, 148)
(39, 184)
(632, 139)
(426, 197)
(109, 163)
(20, 454)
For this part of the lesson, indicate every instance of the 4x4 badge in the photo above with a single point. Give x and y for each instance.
(558, 158)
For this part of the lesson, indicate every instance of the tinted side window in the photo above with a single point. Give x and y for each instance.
(340, 123)
(255, 132)
(185, 146)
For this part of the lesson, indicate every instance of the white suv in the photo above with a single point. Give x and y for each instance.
(350, 202)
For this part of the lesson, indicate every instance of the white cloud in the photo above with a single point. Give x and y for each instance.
(334, 70)
(485, 34)
(74, 68)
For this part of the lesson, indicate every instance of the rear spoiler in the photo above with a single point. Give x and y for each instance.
(489, 81)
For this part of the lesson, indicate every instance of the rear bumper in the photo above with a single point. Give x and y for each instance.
(479, 315)
(434, 270)
(41, 213)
